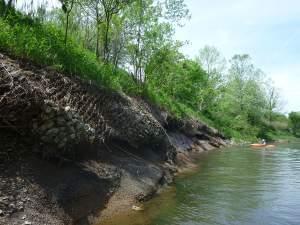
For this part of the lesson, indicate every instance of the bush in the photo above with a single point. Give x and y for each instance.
(44, 44)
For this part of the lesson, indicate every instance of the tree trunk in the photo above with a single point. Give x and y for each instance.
(97, 41)
(2, 7)
(67, 22)
(67, 28)
(105, 49)
(7, 7)
(98, 32)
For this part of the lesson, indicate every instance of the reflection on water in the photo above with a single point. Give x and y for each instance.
(238, 186)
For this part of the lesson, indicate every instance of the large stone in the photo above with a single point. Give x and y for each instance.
(67, 108)
(61, 121)
(48, 109)
(52, 131)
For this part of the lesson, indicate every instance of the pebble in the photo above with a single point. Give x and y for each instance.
(67, 108)
(137, 208)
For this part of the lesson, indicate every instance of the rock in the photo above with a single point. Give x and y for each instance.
(72, 130)
(24, 217)
(27, 223)
(70, 124)
(86, 127)
(35, 126)
(60, 121)
(67, 108)
(137, 208)
(52, 131)
(61, 145)
(44, 138)
(3, 199)
(48, 125)
(92, 139)
(69, 115)
(48, 109)
(57, 140)
(92, 130)
(1, 213)
(80, 126)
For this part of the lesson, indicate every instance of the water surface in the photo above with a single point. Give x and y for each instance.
(236, 186)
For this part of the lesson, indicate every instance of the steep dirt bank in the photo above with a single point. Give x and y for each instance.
(69, 149)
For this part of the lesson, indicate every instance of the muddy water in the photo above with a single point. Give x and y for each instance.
(237, 186)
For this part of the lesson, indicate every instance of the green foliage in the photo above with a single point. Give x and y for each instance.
(295, 122)
(183, 81)
(134, 52)
(44, 45)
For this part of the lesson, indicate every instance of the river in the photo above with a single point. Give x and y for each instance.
(235, 186)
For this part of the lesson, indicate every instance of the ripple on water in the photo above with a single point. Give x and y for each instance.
(237, 186)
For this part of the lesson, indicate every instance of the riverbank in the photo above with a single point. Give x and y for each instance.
(75, 153)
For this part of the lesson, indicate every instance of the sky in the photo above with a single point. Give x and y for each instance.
(267, 30)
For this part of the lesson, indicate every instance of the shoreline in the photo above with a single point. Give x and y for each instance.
(86, 152)
(116, 211)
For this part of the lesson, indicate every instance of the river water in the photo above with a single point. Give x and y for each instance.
(235, 186)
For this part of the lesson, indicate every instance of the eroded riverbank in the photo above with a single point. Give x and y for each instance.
(73, 153)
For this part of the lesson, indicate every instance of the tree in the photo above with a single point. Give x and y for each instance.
(245, 82)
(176, 11)
(273, 100)
(2, 7)
(171, 74)
(241, 104)
(7, 6)
(295, 122)
(211, 61)
(150, 28)
(214, 64)
(67, 6)
(110, 8)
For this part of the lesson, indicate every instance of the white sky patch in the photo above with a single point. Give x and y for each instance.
(268, 30)
(289, 82)
(49, 5)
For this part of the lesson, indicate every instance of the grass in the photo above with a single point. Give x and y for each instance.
(44, 45)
